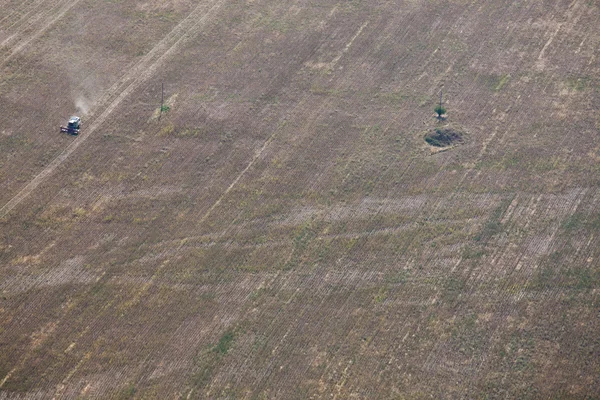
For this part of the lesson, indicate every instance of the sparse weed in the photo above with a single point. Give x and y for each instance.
(167, 130)
(493, 226)
(579, 84)
(573, 222)
(381, 295)
(502, 81)
(472, 253)
(224, 343)
(126, 393)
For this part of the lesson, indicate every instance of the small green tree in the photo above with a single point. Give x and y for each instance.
(440, 111)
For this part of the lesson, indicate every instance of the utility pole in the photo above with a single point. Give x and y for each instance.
(162, 99)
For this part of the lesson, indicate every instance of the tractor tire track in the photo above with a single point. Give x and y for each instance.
(144, 69)
(27, 8)
(120, 90)
(26, 17)
(313, 283)
(48, 19)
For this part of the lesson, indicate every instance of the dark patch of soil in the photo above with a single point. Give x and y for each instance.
(444, 137)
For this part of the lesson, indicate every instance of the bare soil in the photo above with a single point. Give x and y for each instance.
(280, 232)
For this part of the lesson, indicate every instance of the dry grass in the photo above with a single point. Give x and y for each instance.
(284, 231)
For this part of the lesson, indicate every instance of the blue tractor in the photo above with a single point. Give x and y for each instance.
(72, 127)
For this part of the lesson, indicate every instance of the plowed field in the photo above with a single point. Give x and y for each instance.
(283, 230)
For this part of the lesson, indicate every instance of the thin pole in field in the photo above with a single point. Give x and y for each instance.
(162, 99)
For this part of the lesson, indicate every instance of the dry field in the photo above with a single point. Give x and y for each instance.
(284, 231)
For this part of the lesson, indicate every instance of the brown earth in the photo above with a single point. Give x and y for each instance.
(284, 231)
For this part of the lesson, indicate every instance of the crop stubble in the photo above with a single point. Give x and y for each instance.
(305, 220)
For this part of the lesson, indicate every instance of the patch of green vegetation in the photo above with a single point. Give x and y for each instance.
(167, 130)
(224, 343)
(323, 250)
(493, 82)
(397, 277)
(273, 23)
(584, 278)
(392, 97)
(381, 295)
(258, 293)
(423, 100)
(207, 95)
(56, 216)
(544, 276)
(493, 226)
(579, 84)
(581, 221)
(472, 253)
(453, 287)
(15, 142)
(573, 222)
(302, 238)
(490, 229)
(18, 384)
(465, 324)
(529, 160)
(350, 5)
(372, 133)
(126, 393)
(203, 374)
(518, 351)
(207, 362)
(323, 91)
(502, 81)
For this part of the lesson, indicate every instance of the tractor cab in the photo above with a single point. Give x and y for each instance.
(72, 127)
(74, 123)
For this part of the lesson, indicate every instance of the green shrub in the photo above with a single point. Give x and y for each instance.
(224, 343)
(439, 110)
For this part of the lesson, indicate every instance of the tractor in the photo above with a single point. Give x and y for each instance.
(72, 127)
